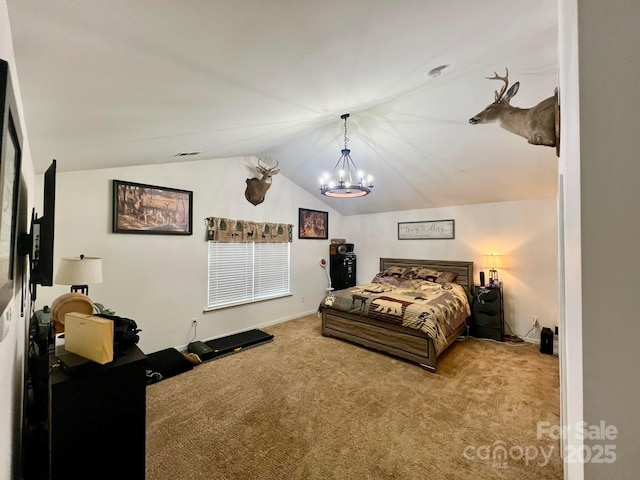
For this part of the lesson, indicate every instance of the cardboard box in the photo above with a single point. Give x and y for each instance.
(89, 336)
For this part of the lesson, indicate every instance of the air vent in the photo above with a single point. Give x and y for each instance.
(186, 154)
(435, 72)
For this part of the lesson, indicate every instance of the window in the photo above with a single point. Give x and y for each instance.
(247, 272)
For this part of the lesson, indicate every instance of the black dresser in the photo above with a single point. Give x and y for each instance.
(97, 419)
(487, 313)
(342, 270)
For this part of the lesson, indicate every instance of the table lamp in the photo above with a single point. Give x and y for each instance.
(492, 262)
(79, 272)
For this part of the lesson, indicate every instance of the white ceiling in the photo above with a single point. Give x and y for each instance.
(133, 82)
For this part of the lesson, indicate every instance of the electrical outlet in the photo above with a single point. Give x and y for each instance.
(194, 322)
(534, 323)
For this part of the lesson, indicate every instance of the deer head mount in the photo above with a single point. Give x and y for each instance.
(536, 124)
(257, 187)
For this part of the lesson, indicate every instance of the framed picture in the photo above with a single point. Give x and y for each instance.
(429, 230)
(10, 166)
(313, 224)
(140, 208)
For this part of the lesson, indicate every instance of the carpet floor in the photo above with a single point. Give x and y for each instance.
(309, 407)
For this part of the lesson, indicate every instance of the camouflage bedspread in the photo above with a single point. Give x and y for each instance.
(437, 309)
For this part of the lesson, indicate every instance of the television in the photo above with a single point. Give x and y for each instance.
(39, 243)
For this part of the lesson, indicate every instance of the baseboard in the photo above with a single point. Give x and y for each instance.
(286, 319)
(183, 348)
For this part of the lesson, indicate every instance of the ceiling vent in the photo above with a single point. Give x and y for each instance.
(186, 154)
(435, 72)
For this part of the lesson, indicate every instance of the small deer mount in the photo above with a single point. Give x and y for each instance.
(257, 187)
(537, 124)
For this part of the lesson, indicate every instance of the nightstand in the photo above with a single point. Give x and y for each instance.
(487, 319)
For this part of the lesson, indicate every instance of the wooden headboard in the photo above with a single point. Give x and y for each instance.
(463, 269)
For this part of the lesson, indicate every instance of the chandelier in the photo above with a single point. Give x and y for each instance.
(349, 182)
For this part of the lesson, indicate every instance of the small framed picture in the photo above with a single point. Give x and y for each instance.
(141, 208)
(313, 224)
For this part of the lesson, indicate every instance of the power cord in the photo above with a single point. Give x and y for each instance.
(194, 323)
(505, 342)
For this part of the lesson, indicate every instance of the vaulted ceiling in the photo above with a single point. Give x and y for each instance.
(121, 82)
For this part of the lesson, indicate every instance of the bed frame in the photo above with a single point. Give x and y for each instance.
(403, 342)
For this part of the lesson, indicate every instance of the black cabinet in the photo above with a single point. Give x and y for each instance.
(342, 270)
(487, 313)
(97, 419)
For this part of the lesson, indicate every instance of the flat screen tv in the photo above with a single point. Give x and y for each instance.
(42, 232)
(38, 244)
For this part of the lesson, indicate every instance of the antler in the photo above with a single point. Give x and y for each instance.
(266, 168)
(505, 79)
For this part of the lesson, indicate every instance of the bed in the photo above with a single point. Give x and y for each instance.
(413, 309)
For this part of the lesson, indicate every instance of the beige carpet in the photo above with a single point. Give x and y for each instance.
(309, 407)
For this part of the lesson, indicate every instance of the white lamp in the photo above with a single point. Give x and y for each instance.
(79, 272)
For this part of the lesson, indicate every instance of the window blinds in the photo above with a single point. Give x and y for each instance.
(246, 272)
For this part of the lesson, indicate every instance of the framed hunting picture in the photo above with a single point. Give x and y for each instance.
(141, 208)
(313, 224)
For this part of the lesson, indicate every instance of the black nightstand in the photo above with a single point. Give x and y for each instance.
(487, 319)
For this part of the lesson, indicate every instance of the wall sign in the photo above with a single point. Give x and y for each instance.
(428, 230)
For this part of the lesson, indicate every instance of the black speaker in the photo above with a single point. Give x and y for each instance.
(482, 279)
(546, 341)
(345, 248)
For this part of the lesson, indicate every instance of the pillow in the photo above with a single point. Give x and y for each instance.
(436, 276)
(387, 280)
(446, 277)
(394, 271)
(410, 273)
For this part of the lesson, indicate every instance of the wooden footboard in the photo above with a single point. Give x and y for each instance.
(403, 342)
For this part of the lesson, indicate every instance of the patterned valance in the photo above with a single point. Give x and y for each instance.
(226, 230)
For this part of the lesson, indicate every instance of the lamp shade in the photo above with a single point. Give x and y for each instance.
(79, 271)
(492, 261)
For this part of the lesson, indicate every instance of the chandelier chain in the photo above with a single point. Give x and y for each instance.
(346, 139)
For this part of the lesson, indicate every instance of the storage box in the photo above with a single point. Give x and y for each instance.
(89, 336)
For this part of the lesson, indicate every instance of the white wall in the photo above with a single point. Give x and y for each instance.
(12, 349)
(160, 281)
(609, 68)
(524, 232)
